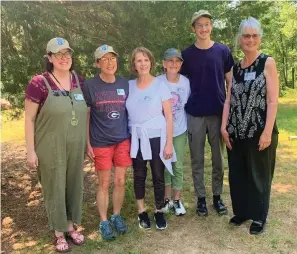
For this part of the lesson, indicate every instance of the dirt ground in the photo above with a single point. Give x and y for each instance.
(24, 223)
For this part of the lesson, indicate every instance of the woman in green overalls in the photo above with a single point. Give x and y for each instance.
(55, 128)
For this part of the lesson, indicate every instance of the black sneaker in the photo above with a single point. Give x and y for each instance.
(160, 221)
(201, 208)
(220, 207)
(144, 221)
(237, 221)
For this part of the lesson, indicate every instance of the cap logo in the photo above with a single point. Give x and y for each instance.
(104, 47)
(60, 41)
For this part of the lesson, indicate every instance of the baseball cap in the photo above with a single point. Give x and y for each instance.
(172, 52)
(57, 44)
(200, 13)
(102, 50)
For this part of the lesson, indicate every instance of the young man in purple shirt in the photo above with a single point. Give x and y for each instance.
(208, 65)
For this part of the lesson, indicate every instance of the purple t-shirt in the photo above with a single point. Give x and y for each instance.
(108, 116)
(206, 68)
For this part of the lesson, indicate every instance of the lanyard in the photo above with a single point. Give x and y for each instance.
(74, 120)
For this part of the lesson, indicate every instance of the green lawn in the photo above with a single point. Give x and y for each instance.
(187, 234)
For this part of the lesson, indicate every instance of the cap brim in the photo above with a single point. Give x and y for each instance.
(110, 51)
(167, 58)
(203, 15)
(61, 48)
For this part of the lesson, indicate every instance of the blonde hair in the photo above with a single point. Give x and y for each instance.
(146, 52)
(250, 22)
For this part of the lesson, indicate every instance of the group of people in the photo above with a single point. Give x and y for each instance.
(125, 123)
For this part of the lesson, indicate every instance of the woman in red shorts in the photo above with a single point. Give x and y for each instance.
(109, 138)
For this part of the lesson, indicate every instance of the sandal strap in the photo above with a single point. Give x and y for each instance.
(76, 236)
(61, 243)
(257, 223)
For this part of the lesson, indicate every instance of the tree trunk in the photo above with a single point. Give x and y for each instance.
(293, 77)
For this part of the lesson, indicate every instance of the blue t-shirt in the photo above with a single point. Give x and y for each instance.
(108, 116)
(206, 68)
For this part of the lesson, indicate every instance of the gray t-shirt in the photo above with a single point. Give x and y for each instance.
(144, 105)
(180, 93)
(108, 117)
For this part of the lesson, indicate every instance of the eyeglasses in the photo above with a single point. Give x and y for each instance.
(60, 55)
(174, 61)
(248, 36)
(200, 26)
(110, 59)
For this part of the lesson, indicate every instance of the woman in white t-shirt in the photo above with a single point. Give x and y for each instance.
(179, 86)
(151, 127)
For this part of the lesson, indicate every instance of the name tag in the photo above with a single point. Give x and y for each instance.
(78, 97)
(249, 75)
(120, 91)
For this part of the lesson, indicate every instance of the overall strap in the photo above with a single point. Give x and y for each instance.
(46, 83)
(76, 79)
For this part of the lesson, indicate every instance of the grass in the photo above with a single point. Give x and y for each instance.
(188, 234)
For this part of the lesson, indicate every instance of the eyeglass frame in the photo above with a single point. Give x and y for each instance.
(67, 55)
(201, 26)
(108, 59)
(249, 36)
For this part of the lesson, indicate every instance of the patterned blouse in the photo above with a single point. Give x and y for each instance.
(248, 108)
(37, 91)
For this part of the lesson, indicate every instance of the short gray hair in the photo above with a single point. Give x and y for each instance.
(250, 22)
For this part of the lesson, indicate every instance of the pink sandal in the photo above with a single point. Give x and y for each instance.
(76, 237)
(61, 244)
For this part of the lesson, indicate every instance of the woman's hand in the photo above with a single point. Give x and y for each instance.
(90, 152)
(265, 141)
(226, 138)
(168, 151)
(32, 160)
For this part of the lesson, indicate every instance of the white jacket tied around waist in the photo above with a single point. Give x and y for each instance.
(145, 145)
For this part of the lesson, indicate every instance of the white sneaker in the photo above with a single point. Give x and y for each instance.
(168, 205)
(179, 208)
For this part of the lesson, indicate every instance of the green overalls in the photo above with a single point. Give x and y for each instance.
(60, 147)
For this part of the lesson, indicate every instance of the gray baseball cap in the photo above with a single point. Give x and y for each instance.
(172, 52)
(57, 44)
(102, 50)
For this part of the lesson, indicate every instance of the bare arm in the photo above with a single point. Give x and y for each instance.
(272, 88)
(226, 109)
(89, 147)
(31, 109)
(228, 78)
(167, 108)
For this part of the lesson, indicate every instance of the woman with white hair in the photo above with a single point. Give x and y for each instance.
(249, 128)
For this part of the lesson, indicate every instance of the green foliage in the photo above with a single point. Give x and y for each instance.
(26, 27)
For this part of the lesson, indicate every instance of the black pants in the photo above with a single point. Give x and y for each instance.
(250, 177)
(140, 173)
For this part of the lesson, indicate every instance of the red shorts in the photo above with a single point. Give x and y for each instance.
(117, 155)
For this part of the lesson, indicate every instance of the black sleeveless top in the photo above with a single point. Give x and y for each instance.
(248, 108)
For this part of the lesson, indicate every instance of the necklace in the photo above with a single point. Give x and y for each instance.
(74, 120)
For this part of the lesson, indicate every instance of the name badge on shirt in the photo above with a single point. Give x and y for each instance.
(249, 75)
(120, 91)
(78, 97)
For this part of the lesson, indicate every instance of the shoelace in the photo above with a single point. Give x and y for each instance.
(177, 203)
(119, 222)
(106, 228)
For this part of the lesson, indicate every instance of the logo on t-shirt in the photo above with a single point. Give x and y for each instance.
(176, 103)
(113, 115)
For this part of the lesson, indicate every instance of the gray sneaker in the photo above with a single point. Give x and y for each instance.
(106, 231)
(118, 223)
